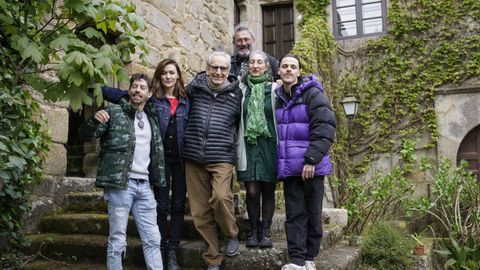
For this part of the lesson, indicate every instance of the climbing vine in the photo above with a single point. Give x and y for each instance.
(62, 50)
(428, 44)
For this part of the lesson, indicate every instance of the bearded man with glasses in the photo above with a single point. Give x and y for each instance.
(210, 154)
(131, 161)
(243, 42)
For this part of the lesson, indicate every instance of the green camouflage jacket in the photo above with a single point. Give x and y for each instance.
(117, 141)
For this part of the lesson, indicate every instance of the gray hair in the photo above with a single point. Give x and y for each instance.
(219, 53)
(265, 60)
(264, 56)
(241, 28)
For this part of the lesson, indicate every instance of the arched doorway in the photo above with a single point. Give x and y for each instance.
(469, 150)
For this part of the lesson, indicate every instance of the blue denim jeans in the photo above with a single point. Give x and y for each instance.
(137, 198)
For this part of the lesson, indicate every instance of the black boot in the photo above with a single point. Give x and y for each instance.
(265, 240)
(164, 251)
(252, 240)
(172, 260)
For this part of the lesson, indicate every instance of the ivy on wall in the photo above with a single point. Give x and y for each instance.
(428, 44)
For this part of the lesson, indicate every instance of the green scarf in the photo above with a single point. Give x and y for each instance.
(256, 122)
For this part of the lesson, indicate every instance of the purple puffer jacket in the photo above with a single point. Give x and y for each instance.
(306, 128)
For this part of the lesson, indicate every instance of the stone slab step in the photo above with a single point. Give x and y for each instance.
(62, 265)
(95, 223)
(92, 248)
(85, 202)
(80, 248)
(339, 257)
(82, 202)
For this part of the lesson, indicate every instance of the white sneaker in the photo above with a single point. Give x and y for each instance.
(292, 266)
(310, 265)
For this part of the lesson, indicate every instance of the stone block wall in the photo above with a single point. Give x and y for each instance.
(57, 124)
(185, 30)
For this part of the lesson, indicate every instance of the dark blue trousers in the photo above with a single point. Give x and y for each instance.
(303, 224)
(175, 176)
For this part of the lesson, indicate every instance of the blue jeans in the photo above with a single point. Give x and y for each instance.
(139, 199)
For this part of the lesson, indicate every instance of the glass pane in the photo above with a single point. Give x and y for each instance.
(346, 14)
(371, 1)
(347, 29)
(372, 26)
(371, 11)
(342, 3)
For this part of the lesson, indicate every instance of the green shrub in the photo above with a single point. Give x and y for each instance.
(385, 248)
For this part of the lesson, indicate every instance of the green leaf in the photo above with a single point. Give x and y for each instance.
(137, 21)
(3, 147)
(78, 97)
(77, 5)
(6, 20)
(90, 32)
(105, 63)
(76, 78)
(61, 42)
(17, 161)
(102, 26)
(32, 51)
(4, 175)
(3, 5)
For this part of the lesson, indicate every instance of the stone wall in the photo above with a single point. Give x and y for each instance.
(185, 30)
(457, 109)
(251, 16)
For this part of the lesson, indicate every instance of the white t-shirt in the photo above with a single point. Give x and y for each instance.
(141, 154)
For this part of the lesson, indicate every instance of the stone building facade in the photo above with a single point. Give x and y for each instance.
(187, 30)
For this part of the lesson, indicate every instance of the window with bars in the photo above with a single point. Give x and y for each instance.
(358, 18)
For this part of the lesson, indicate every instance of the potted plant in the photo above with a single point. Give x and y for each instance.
(419, 249)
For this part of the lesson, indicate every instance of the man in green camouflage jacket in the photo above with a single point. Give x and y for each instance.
(131, 160)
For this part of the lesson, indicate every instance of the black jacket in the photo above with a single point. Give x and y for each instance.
(213, 121)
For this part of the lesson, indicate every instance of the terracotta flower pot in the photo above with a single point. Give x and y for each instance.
(419, 250)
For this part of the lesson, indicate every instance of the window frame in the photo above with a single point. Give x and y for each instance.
(359, 19)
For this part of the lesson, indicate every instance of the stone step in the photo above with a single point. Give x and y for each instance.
(94, 223)
(61, 265)
(83, 202)
(92, 247)
(341, 256)
(338, 257)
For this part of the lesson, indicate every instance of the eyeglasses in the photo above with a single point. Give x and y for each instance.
(139, 116)
(215, 68)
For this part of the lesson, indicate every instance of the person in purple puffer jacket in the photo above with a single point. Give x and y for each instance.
(306, 129)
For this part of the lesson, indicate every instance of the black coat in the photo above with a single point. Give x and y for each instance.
(213, 121)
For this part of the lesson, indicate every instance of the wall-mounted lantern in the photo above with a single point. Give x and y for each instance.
(350, 106)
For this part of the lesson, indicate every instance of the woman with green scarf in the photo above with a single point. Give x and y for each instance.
(257, 141)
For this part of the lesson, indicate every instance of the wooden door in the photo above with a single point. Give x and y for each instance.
(469, 150)
(278, 34)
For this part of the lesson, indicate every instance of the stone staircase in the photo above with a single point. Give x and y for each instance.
(76, 238)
